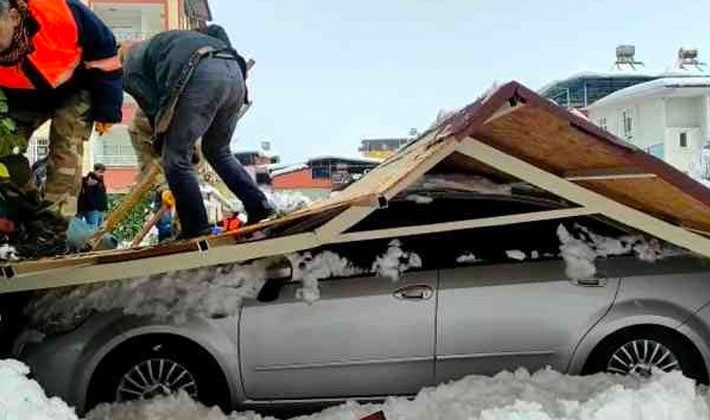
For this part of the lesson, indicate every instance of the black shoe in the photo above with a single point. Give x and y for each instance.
(182, 236)
(258, 215)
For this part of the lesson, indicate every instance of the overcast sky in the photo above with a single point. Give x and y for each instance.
(330, 73)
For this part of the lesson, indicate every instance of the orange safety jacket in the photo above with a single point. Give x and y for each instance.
(70, 42)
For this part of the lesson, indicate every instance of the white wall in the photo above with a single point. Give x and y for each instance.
(659, 121)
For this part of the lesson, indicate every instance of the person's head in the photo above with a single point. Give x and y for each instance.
(125, 48)
(10, 19)
(99, 169)
(216, 31)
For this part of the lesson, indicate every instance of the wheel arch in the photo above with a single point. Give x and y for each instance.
(101, 350)
(629, 314)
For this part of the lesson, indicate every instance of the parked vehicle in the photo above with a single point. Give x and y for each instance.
(484, 300)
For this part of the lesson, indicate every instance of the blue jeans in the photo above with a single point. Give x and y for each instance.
(165, 227)
(93, 218)
(207, 108)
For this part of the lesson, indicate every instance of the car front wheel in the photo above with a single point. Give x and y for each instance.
(156, 366)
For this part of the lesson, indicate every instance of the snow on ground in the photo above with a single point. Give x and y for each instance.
(24, 399)
(544, 395)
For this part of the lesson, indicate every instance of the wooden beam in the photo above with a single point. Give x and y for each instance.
(342, 222)
(462, 224)
(450, 145)
(71, 276)
(503, 111)
(606, 174)
(587, 198)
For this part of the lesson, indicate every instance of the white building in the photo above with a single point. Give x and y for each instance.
(668, 117)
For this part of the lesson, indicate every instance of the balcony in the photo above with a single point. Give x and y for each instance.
(117, 160)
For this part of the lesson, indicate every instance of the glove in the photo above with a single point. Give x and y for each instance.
(102, 127)
(166, 197)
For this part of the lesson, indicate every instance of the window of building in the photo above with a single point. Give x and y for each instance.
(602, 123)
(683, 137)
(627, 125)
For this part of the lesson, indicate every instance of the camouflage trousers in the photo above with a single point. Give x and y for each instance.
(141, 133)
(71, 126)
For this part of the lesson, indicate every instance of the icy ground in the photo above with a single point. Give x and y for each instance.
(544, 395)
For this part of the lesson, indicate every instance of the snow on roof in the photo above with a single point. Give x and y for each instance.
(678, 85)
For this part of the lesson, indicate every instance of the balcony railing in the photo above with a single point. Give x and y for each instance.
(117, 160)
(122, 35)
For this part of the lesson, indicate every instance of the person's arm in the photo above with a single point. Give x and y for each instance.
(100, 56)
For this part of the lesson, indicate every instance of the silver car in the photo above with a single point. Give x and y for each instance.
(484, 300)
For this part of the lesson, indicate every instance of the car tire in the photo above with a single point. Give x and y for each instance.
(158, 365)
(638, 349)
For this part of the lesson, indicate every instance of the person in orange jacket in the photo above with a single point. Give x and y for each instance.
(58, 62)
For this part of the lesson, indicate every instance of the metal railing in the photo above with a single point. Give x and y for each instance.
(117, 160)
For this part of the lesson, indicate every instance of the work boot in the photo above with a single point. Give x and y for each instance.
(255, 216)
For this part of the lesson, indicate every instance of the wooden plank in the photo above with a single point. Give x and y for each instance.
(462, 224)
(342, 222)
(71, 276)
(582, 196)
(607, 173)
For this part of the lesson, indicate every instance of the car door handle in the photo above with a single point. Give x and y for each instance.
(419, 292)
(599, 280)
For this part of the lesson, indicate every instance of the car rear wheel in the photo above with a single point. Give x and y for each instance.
(642, 350)
(156, 366)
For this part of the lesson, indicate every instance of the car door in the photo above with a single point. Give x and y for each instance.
(514, 305)
(365, 336)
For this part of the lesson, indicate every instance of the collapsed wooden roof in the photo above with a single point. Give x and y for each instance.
(511, 131)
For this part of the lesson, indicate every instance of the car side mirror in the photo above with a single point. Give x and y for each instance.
(277, 276)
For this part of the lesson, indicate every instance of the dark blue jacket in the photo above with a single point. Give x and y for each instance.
(156, 71)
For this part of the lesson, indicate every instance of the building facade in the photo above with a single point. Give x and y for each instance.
(129, 20)
(320, 176)
(668, 117)
(381, 148)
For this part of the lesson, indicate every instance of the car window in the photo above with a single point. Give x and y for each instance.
(420, 209)
(489, 245)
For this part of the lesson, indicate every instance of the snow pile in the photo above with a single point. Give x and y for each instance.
(174, 407)
(287, 202)
(22, 398)
(461, 182)
(211, 292)
(395, 261)
(545, 395)
(309, 269)
(581, 247)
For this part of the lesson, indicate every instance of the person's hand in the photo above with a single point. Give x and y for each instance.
(102, 127)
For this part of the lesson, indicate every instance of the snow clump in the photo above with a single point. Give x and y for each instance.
(309, 269)
(581, 247)
(212, 292)
(395, 261)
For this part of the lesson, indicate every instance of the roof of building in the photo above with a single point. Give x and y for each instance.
(682, 85)
(597, 75)
(288, 169)
(344, 159)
